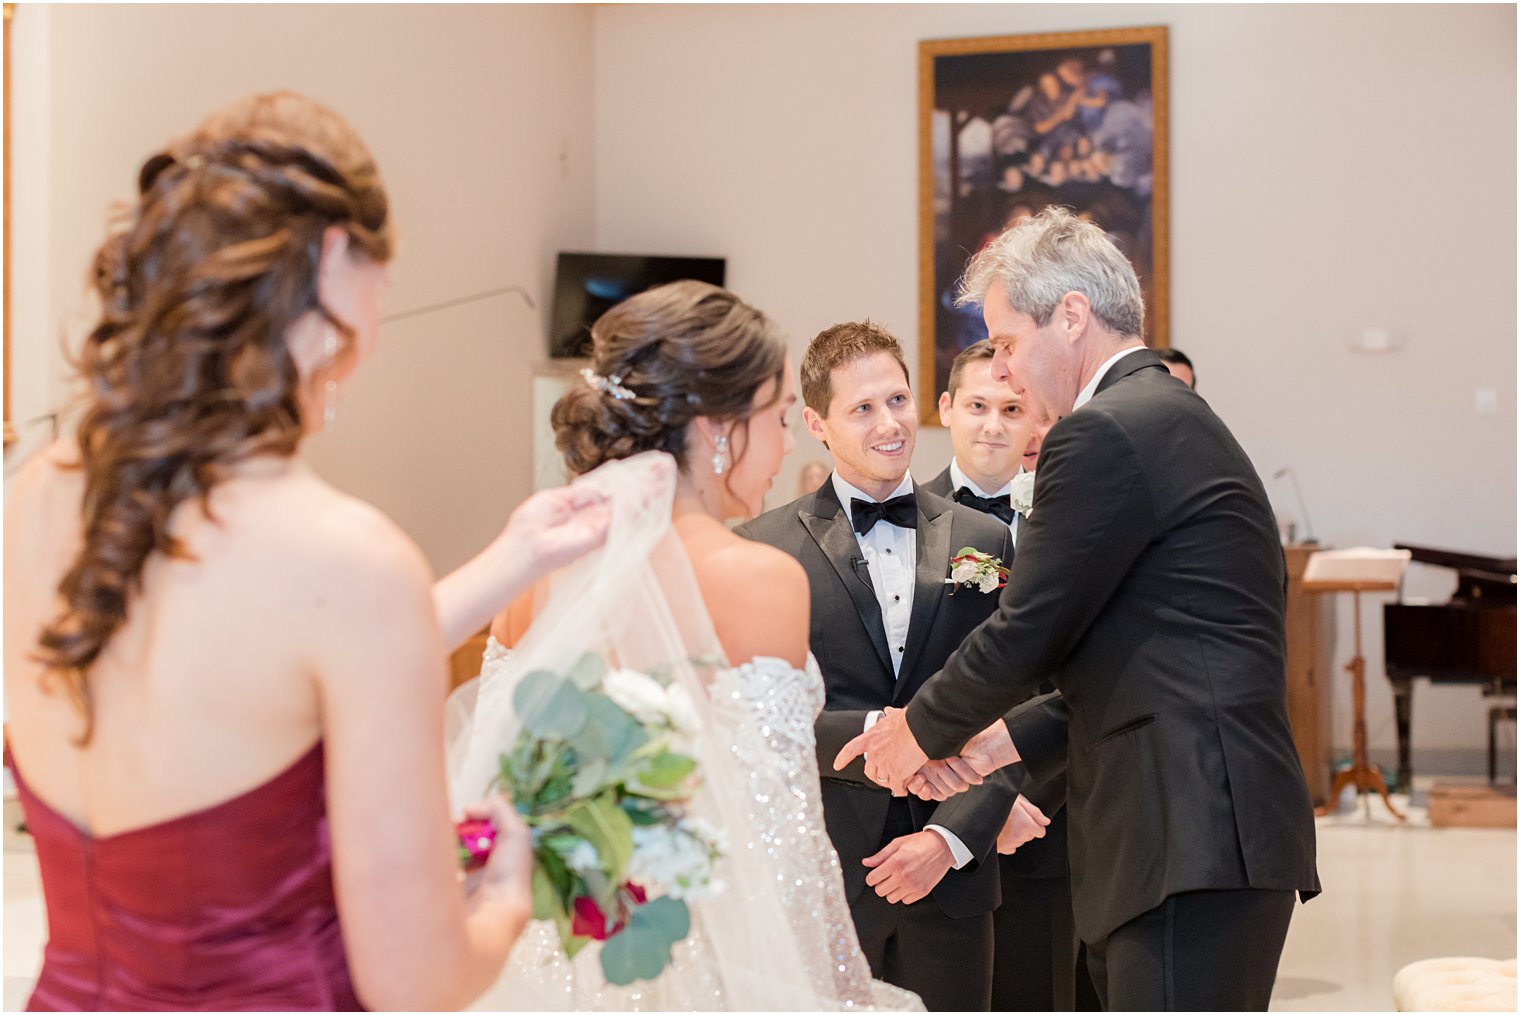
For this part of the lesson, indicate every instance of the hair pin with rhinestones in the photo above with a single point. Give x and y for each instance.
(607, 385)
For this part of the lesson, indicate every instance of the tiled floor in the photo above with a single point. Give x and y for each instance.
(1392, 895)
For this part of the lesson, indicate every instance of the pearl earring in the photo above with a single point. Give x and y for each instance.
(720, 455)
(330, 387)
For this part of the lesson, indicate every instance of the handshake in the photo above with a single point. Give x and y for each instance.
(893, 759)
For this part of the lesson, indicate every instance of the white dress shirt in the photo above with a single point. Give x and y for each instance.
(959, 479)
(1085, 395)
(891, 558)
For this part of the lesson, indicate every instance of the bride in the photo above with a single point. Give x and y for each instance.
(687, 395)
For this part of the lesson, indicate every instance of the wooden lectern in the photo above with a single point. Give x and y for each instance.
(1357, 571)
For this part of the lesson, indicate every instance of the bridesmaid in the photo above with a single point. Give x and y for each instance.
(225, 678)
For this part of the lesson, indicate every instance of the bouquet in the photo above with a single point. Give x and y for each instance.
(599, 774)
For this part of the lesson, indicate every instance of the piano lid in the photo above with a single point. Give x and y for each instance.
(1481, 581)
(1501, 569)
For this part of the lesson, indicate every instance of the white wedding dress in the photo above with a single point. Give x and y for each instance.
(778, 936)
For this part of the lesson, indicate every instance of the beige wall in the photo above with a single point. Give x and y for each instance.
(1333, 168)
(480, 118)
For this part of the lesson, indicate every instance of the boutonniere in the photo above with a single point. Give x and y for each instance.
(1021, 496)
(971, 566)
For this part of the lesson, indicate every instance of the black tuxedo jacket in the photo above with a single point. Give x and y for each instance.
(849, 640)
(1150, 590)
(1044, 857)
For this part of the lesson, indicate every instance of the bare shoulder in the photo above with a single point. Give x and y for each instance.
(355, 539)
(356, 584)
(758, 597)
(48, 475)
(297, 531)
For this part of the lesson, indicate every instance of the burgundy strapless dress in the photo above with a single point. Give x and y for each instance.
(228, 908)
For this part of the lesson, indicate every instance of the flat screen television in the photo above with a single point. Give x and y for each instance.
(587, 285)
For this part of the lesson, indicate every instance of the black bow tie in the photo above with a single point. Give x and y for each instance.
(901, 511)
(998, 507)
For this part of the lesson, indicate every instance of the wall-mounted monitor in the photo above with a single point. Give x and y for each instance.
(588, 285)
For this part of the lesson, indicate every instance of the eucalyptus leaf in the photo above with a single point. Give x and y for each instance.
(636, 953)
(641, 951)
(619, 733)
(590, 778)
(588, 671)
(665, 916)
(550, 708)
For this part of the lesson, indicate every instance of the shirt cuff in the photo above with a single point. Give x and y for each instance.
(872, 717)
(958, 849)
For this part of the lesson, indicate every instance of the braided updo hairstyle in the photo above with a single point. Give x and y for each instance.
(188, 369)
(684, 350)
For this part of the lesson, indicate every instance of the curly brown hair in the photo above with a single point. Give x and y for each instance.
(686, 349)
(188, 368)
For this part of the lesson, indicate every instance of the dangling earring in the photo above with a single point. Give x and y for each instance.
(720, 455)
(330, 387)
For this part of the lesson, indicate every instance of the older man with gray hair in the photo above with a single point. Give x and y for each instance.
(1149, 590)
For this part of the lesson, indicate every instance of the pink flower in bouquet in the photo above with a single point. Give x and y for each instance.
(588, 920)
(476, 837)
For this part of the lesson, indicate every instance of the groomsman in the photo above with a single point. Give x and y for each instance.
(919, 877)
(992, 432)
(1150, 590)
(1038, 963)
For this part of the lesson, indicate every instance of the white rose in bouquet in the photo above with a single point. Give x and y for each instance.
(638, 694)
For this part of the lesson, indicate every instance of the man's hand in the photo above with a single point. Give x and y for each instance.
(908, 867)
(941, 780)
(892, 754)
(983, 754)
(1025, 822)
(990, 749)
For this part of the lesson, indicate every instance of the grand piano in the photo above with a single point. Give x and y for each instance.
(1468, 640)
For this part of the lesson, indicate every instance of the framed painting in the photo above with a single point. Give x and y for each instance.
(1010, 125)
(5, 298)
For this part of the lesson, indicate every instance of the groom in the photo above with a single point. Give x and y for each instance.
(921, 879)
(1150, 590)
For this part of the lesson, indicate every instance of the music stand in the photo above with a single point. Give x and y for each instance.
(1356, 571)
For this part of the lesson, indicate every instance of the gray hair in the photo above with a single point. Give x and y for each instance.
(1045, 257)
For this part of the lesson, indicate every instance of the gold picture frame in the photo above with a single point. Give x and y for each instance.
(1012, 124)
(5, 317)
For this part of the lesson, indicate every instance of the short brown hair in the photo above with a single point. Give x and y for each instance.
(839, 346)
(971, 354)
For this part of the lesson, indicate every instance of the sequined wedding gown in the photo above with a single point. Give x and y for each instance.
(778, 936)
(767, 707)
